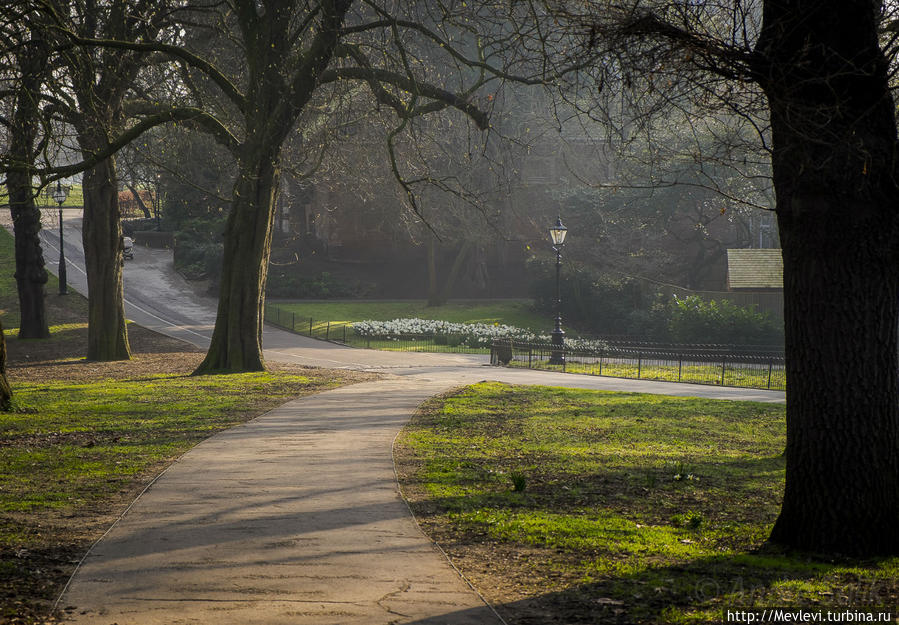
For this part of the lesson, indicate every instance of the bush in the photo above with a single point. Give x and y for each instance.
(288, 283)
(598, 304)
(199, 249)
(693, 320)
(591, 301)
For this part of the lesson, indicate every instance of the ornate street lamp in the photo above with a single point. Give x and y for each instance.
(557, 233)
(60, 193)
(157, 201)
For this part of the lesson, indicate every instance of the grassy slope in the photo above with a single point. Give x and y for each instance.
(8, 303)
(76, 443)
(511, 312)
(74, 199)
(635, 508)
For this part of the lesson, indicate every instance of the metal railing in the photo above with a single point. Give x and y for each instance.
(722, 365)
(745, 366)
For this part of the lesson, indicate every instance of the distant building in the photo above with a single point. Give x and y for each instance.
(755, 270)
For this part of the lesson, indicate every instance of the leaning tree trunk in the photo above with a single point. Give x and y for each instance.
(237, 339)
(31, 274)
(107, 335)
(5, 390)
(834, 139)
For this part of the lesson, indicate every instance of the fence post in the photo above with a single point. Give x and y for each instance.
(310, 326)
(328, 331)
(770, 367)
(293, 321)
(601, 354)
(530, 355)
(639, 364)
(723, 369)
(344, 334)
(680, 366)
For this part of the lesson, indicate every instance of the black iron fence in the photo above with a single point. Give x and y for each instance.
(745, 366)
(339, 331)
(742, 366)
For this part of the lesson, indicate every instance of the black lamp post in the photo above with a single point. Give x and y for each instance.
(557, 233)
(60, 193)
(157, 204)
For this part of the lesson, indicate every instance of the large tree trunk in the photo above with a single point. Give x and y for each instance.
(834, 140)
(237, 338)
(107, 335)
(31, 275)
(5, 390)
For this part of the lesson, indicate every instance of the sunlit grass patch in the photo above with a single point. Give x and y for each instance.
(659, 506)
(77, 442)
(730, 374)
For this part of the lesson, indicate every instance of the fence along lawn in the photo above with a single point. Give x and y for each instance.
(690, 364)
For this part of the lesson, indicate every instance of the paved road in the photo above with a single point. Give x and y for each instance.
(294, 517)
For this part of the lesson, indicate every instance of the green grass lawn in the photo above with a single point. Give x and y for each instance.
(518, 313)
(9, 304)
(617, 508)
(735, 374)
(44, 200)
(72, 444)
(84, 438)
(74, 453)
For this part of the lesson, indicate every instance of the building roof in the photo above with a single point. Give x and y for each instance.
(755, 269)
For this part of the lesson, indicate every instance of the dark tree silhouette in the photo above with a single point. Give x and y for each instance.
(814, 78)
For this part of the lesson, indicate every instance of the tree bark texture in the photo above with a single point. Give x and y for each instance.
(272, 104)
(5, 390)
(31, 274)
(237, 339)
(107, 335)
(834, 140)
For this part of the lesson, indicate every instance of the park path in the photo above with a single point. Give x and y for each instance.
(294, 517)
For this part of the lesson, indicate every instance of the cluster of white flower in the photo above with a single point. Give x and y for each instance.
(587, 345)
(471, 334)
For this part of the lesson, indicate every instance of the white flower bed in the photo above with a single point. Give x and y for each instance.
(471, 334)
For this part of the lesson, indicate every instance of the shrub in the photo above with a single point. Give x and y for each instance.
(289, 283)
(590, 301)
(199, 248)
(693, 320)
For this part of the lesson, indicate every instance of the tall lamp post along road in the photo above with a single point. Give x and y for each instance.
(60, 193)
(157, 203)
(557, 233)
